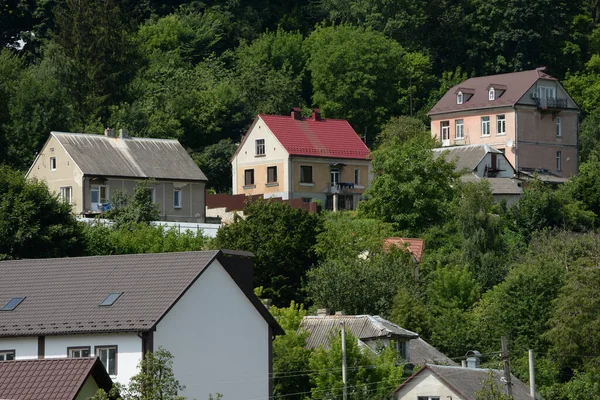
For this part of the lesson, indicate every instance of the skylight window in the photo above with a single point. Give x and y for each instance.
(111, 298)
(12, 304)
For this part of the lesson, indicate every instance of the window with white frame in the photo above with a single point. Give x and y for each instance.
(445, 130)
(559, 160)
(485, 126)
(52, 163)
(152, 193)
(460, 129)
(78, 352)
(491, 94)
(260, 147)
(99, 194)
(108, 356)
(335, 176)
(7, 355)
(558, 126)
(357, 176)
(176, 198)
(459, 98)
(500, 125)
(66, 194)
(546, 92)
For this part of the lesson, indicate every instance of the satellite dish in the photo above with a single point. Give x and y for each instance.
(509, 143)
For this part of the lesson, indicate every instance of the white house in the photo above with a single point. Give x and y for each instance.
(198, 305)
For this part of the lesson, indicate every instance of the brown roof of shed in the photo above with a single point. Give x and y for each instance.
(62, 295)
(516, 84)
(50, 379)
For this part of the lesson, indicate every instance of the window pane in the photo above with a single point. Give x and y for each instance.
(95, 194)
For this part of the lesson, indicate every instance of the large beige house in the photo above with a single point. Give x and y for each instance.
(527, 115)
(309, 158)
(86, 170)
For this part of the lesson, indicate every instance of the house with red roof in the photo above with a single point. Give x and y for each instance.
(293, 157)
(527, 115)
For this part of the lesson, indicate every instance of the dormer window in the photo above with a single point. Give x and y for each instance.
(492, 94)
(459, 98)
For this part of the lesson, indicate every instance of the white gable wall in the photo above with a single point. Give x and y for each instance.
(25, 347)
(219, 341)
(503, 164)
(426, 384)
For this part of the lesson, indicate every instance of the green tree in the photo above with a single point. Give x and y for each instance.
(584, 86)
(214, 162)
(128, 210)
(490, 389)
(155, 379)
(282, 240)
(33, 222)
(589, 136)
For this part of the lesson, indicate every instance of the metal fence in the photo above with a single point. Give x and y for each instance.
(209, 230)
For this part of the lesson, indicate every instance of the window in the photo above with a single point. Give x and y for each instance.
(402, 347)
(249, 177)
(559, 160)
(108, 356)
(66, 194)
(558, 127)
(271, 174)
(459, 98)
(357, 176)
(460, 129)
(52, 163)
(335, 176)
(260, 147)
(7, 355)
(492, 94)
(152, 192)
(176, 198)
(12, 304)
(110, 299)
(545, 92)
(485, 126)
(445, 130)
(500, 125)
(78, 352)
(306, 199)
(306, 174)
(99, 194)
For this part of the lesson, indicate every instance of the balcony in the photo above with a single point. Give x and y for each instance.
(553, 103)
(341, 187)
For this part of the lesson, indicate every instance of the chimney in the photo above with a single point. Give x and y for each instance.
(339, 313)
(109, 132)
(322, 312)
(473, 359)
(296, 113)
(123, 134)
(316, 115)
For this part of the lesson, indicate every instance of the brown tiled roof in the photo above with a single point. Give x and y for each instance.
(49, 379)
(466, 382)
(516, 84)
(62, 295)
(414, 246)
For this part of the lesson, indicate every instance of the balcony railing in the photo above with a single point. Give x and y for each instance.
(551, 103)
(340, 187)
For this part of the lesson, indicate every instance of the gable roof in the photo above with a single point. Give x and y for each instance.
(62, 295)
(362, 326)
(516, 84)
(100, 155)
(468, 381)
(414, 246)
(50, 379)
(422, 352)
(498, 186)
(323, 137)
(465, 158)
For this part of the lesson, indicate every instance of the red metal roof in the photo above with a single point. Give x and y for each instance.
(333, 138)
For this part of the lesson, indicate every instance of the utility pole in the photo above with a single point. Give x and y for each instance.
(531, 375)
(506, 365)
(344, 360)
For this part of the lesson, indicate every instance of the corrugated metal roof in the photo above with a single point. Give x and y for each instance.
(422, 352)
(101, 155)
(49, 379)
(498, 186)
(321, 328)
(465, 158)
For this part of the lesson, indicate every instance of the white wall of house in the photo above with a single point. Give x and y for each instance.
(426, 384)
(129, 349)
(219, 341)
(24, 347)
(507, 171)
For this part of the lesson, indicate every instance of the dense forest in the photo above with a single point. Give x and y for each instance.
(199, 72)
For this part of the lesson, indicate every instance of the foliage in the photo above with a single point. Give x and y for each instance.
(585, 187)
(127, 210)
(214, 162)
(155, 379)
(33, 222)
(282, 240)
(490, 390)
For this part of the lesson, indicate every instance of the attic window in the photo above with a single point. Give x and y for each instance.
(492, 94)
(459, 98)
(12, 304)
(110, 299)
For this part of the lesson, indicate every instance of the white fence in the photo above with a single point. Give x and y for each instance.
(209, 230)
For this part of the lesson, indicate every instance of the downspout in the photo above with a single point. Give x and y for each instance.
(290, 178)
(516, 144)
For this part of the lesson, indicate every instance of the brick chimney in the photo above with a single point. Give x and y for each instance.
(109, 132)
(316, 114)
(297, 113)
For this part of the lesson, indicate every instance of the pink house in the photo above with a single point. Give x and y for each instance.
(527, 115)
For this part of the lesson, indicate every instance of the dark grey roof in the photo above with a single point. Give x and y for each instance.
(422, 352)
(468, 381)
(499, 186)
(101, 155)
(362, 326)
(62, 295)
(465, 158)
(541, 175)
